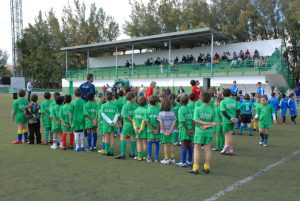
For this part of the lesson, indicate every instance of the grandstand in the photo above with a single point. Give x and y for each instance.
(107, 61)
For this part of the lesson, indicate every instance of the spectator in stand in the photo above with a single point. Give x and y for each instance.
(192, 59)
(157, 91)
(200, 58)
(183, 60)
(135, 90)
(256, 54)
(29, 89)
(247, 54)
(127, 64)
(217, 56)
(234, 89)
(176, 60)
(87, 87)
(180, 90)
(187, 58)
(104, 90)
(241, 55)
(195, 89)
(149, 90)
(224, 56)
(260, 90)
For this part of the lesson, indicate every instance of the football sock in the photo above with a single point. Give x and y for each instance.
(81, 140)
(107, 148)
(166, 156)
(195, 167)
(157, 146)
(206, 166)
(123, 147)
(190, 153)
(175, 136)
(183, 154)
(54, 141)
(266, 138)
(149, 146)
(50, 135)
(255, 124)
(46, 133)
(103, 145)
(25, 133)
(250, 130)
(20, 133)
(89, 139)
(77, 140)
(95, 138)
(172, 156)
(64, 139)
(222, 140)
(241, 129)
(261, 136)
(71, 139)
(132, 147)
(144, 154)
(140, 154)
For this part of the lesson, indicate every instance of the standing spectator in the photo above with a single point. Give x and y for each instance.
(289, 92)
(29, 89)
(198, 85)
(181, 90)
(149, 90)
(242, 55)
(297, 92)
(136, 90)
(104, 90)
(256, 54)
(195, 89)
(277, 93)
(141, 91)
(260, 90)
(234, 89)
(87, 87)
(247, 54)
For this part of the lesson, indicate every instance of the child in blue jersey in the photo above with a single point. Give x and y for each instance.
(292, 107)
(283, 107)
(273, 101)
(246, 115)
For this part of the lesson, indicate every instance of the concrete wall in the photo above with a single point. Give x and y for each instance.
(265, 48)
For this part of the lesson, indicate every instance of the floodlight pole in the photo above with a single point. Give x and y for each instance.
(132, 48)
(117, 61)
(169, 57)
(211, 53)
(66, 64)
(88, 61)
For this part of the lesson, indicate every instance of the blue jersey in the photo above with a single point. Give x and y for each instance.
(260, 91)
(234, 90)
(86, 88)
(274, 103)
(283, 103)
(246, 107)
(292, 107)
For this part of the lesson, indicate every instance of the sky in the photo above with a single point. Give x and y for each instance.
(119, 9)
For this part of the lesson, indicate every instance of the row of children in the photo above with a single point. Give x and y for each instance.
(155, 121)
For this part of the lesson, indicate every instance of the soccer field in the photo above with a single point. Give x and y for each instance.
(36, 172)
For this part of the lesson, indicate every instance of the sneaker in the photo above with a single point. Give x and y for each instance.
(17, 142)
(95, 149)
(265, 144)
(132, 156)
(135, 158)
(44, 143)
(176, 143)
(165, 161)
(54, 146)
(140, 159)
(192, 171)
(216, 149)
(144, 158)
(120, 157)
(206, 171)
(77, 149)
(181, 164)
(172, 161)
(250, 134)
(156, 160)
(189, 163)
(149, 160)
(224, 150)
(230, 152)
(82, 149)
(261, 142)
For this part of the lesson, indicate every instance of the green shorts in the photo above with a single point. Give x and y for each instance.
(151, 136)
(101, 129)
(203, 139)
(218, 129)
(90, 125)
(227, 127)
(128, 130)
(57, 129)
(77, 127)
(183, 135)
(107, 129)
(65, 129)
(175, 135)
(21, 120)
(166, 139)
(142, 135)
(263, 125)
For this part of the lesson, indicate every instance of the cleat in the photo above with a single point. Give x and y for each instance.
(95, 149)
(230, 152)
(216, 149)
(132, 156)
(140, 159)
(148, 160)
(156, 160)
(172, 161)
(82, 149)
(77, 149)
(265, 145)
(206, 171)
(70, 147)
(17, 142)
(189, 163)
(224, 151)
(260, 142)
(144, 158)
(181, 164)
(44, 143)
(120, 157)
(192, 171)
(165, 161)
(176, 144)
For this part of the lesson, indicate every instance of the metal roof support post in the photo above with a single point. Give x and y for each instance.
(211, 53)
(66, 73)
(88, 61)
(132, 48)
(117, 61)
(170, 57)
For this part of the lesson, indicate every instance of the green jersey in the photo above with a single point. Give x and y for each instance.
(185, 114)
(45, 108)
(205, 113)
(175, 109)
(64, 113)
(198, 103)
(76, 110)
(128, 111)
(139, 116)
(110, 110)
(99, 103)
(55, 115)
(90, 108)
(246, 107)
(151, 116)
(264, 113)
(192, 105)
(119, 104)
(256, 105)
(19, 106)
(230, 106)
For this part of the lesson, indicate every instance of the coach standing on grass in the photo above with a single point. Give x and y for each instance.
(149, 90)
(29, 89)
(234, 89)
(87, 87)
(260, 90)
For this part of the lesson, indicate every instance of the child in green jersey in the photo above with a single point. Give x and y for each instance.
(140, 128)
(119, 103)
(110, 115)
(17, 115)
(100, 102)
(153, 135)
(205, 118)
(246, 115)
(77, 120)
(56, 124)
(192, 102)
(230, 111)
(127, 114)
(265, 112)
(46, 119)
(186, 131)
(64, 115)
(91, 119)
(167, 122)
(255, 106)
(175, 108)
(220, 138)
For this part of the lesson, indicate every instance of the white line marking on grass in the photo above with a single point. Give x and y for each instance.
(251, 177)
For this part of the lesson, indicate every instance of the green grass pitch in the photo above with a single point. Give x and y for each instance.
(35, 172)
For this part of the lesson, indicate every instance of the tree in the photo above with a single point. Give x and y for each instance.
(3, 61)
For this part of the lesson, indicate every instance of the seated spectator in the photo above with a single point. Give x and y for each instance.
(247, 54)
(200, 58)
(242, 55)
(224, 56)
(217, 56)
(176, 60)
(127, 64)
(151, 61)
(147, 63)
(256, 54)
(207, 58)
(256, 62)
(192, 59)
(180, 90)
(183, 60)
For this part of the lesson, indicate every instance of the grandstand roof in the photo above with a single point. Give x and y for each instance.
(180, 38)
